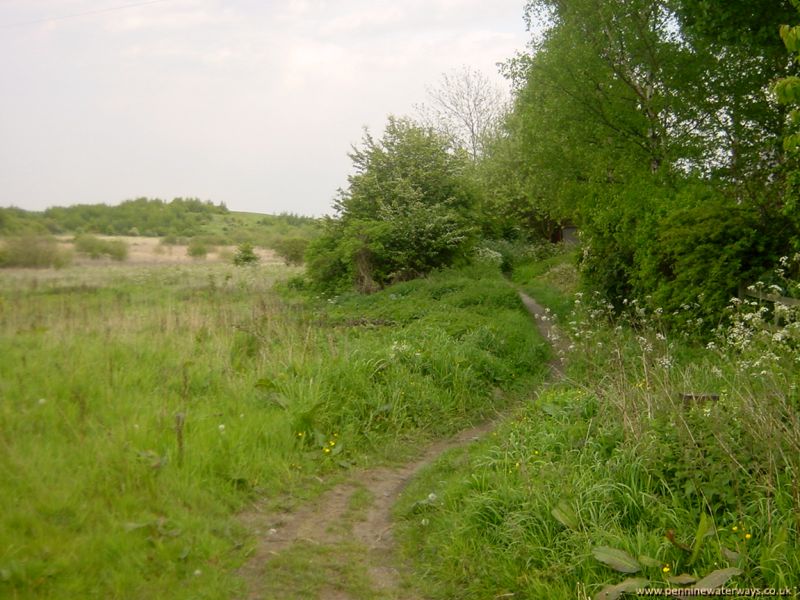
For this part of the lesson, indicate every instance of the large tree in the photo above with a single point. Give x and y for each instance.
(635, 117)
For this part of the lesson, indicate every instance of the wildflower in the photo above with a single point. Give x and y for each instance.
(665, 569)
(300, 434)
(734, 528)
(747, 536)
(431, 497)
(326, 450)
(221, 428)
(332, 443)
(424, 522)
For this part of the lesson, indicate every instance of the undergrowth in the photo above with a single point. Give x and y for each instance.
(657, 463)
(141, 408)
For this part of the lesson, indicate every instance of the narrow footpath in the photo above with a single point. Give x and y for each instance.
(352, 522)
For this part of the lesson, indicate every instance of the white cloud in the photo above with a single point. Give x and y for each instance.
(247, 102)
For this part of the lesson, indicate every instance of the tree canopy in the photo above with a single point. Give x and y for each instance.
(405, 212)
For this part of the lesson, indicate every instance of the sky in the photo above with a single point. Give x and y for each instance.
(251, 103)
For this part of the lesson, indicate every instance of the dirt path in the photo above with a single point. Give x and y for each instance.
(350, 523)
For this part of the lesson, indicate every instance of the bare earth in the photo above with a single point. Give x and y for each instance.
(326, 523)
(150, 251)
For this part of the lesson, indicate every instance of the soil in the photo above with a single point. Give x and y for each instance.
(326, 521)
(150, 251)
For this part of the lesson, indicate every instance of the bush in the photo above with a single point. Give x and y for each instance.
(33, 251)
(245, 255)
(407, 211)
(97, 248)
(699, 256)
(197, 249)
(291, 250)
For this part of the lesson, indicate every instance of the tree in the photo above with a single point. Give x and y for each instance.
(467, 107)
(630, 116)
(407, 210)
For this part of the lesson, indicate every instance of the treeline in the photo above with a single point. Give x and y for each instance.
(652, 125)
(142, 216)
(180, 221)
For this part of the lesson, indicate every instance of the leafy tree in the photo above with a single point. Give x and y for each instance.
(406, 211)
(647, 120)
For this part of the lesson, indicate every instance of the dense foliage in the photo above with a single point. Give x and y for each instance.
(406, 212)
(650, 124)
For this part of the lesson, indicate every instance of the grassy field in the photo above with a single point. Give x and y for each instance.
(141, 407)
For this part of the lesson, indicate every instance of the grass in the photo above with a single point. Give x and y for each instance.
(681, 459)
(142, 407)
(552, 281)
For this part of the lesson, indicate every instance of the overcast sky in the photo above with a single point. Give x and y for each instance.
(251, 103)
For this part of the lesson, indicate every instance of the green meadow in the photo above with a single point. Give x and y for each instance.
(143, 407)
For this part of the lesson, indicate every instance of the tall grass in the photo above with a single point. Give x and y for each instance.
(681, 456)
(142, 407)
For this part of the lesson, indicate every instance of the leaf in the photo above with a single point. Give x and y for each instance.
(788, 90)
(717, 578)
(565, 514)
(730, 555)
(682, 579)
(649, 562)
(791, 37)
(265, 384)
(700, 535)
(612, 592)
(619, 560)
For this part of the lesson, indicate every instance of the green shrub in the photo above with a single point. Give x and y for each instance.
(291, 250)
(33, 251)
(698, 257)
(245, 255)
(197, 249)
(406, 212)
(96, 247)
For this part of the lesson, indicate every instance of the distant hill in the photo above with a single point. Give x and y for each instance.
(179, 219)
